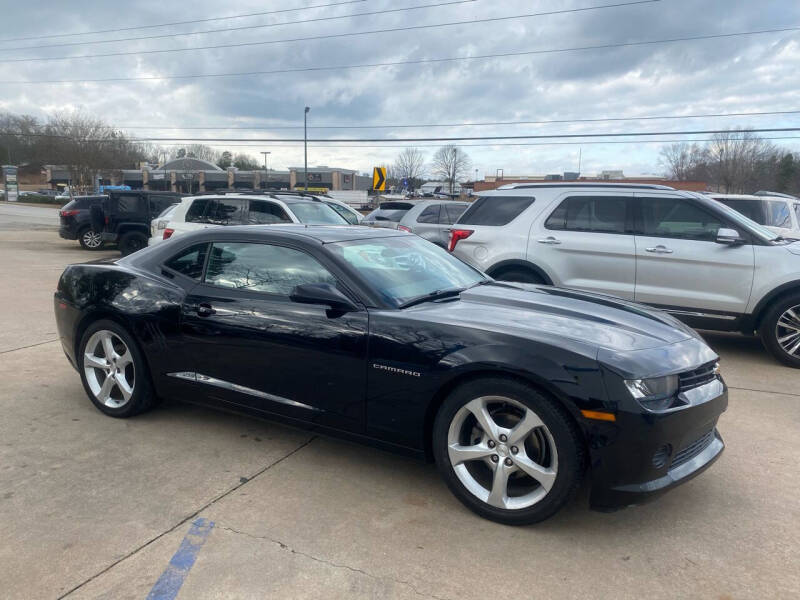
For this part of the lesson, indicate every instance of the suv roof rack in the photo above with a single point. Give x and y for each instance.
(641, 186)
(273, 193)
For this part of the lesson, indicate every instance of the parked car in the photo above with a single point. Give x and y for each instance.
(124, 217)
(75, 222)
(200, 212)
(159, 224)
(680, 251)
(517, 392)
(429, 219)
(777, 214)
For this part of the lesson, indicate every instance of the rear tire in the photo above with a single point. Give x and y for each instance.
(90, 239)
(495, 424)
(131, 242)
(520, 275)
(113, 370)
(780, 330)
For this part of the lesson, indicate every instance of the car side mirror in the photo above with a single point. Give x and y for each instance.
(322, 293)
(727, 236)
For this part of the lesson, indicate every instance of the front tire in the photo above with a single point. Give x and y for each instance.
(507, 452)
(131, 242)
(90, 239)
(780, 330)
(113, 371)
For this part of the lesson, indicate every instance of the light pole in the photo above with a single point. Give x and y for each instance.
(265, 165)
(305, 144)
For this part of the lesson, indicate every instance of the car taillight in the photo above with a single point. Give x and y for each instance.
(69, 213)
(404, 228)
(107, 219)
(168, 233)
(456, 235)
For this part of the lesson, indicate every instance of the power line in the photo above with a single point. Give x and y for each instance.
(408, 62)
(329, 36)
(479, 124)
(242, 16)
(431, 139)
(244, 27)
(581, 143)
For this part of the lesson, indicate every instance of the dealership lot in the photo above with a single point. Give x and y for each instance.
(97, 507)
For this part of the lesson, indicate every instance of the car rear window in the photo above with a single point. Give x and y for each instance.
(389, 211)
(495, 210)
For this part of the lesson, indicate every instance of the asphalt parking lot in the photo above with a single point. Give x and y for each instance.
(94, 507)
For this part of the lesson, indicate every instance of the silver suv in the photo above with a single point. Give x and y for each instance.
(429, 219)
(680, 251)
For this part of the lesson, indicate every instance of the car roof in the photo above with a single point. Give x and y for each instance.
(579, 185)
(324, 234)
(286, 199)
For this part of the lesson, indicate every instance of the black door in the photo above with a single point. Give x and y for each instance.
(253, 346)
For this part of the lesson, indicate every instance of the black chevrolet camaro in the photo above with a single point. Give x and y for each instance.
(517, 391)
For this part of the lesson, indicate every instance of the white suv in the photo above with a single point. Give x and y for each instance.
(680, 251)
(199, 212)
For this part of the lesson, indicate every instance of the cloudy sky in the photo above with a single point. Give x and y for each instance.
(753, 73)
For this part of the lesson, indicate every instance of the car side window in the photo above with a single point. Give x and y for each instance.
(225, 211)
(597, 214)
(678, 218)
(430, 214)
(197, 211)
(778, 214)
(131, 203)
(264, 212)
(495, 210)
(263, 268)
(450, 213)
(159, 204)
(189, 261)
(344, 213)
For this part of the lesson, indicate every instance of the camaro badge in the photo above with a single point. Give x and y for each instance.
(396, 370)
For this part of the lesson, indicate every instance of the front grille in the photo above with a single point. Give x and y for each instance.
(693, 449)
(697, 377)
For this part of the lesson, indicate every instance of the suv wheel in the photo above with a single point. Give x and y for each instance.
(131, 242)
(113, 371)
(90, 239)
(519, 275)
(780, 330)
(507, 452)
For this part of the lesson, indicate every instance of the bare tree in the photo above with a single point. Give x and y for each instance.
(409, 166)
(682, 161)
(737, 160)
(451, 165)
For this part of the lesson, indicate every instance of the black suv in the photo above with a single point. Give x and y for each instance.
(124, 216)
(76, 222)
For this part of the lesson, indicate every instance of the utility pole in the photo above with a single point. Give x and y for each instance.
(305, 144)
(265, 164)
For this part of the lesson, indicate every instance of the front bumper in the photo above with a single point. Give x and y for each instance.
(644, 454)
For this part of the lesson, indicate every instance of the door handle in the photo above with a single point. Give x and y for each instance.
(203, 310)
(660, 249)
(549, 240)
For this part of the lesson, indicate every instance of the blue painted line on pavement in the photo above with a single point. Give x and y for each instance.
(171, 580)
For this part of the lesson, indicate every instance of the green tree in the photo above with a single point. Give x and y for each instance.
(225, 160)
(787, 172)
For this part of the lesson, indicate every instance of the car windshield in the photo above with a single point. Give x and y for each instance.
(405, 268)
(316, 213)
(167, 212)
(345, 213)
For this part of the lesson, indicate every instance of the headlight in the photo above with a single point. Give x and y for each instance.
(655, 393)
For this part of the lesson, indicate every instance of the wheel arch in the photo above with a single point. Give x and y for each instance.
(768, 300)
(527, 378)
(519, 264)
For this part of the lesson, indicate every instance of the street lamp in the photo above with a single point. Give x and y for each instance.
(305, 143)
(265, 164)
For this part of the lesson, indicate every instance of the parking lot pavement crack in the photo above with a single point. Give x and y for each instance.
(242, 481)
(286, 547)
(28, 346)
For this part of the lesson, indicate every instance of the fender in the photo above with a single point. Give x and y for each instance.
(753, 319)
(522, 264)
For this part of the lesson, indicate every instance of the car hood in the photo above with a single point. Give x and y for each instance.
(593, 321)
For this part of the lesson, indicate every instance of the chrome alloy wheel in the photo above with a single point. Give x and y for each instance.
(502, 452)
(91, 239)
(787, 331)
(109, 369)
